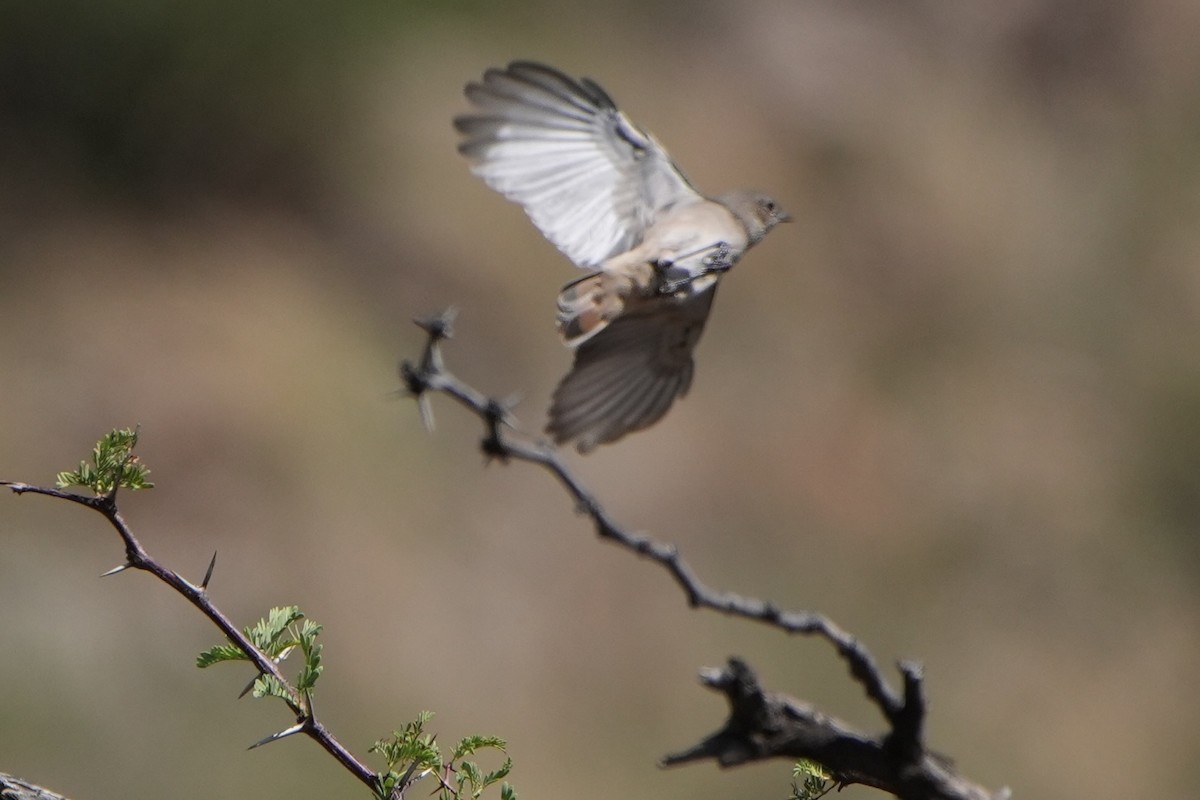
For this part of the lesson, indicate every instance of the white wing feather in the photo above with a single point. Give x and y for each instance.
(588, 178)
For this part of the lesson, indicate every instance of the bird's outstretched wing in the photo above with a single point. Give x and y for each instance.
(627, 376)
(590, 180)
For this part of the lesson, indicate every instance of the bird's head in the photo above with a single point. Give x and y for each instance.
(757, 212)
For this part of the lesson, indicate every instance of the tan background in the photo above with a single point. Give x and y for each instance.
(956, 406)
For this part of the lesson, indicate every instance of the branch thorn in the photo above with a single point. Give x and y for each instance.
(283, 734)
(209, 573)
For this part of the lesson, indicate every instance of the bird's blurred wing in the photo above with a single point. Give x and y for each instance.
(627, 376)
(590, 180)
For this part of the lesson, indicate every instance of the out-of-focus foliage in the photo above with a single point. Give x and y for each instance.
(153, 99)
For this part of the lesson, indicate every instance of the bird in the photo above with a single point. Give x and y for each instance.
(609, 197)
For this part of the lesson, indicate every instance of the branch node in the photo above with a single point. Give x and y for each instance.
(496, 414)
(416, 384)
(908, 724)
(418, 379)
(438, 326)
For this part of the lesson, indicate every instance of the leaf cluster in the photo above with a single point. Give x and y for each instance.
(816, 783)
(284, 630)
(113, 466)
(412, 754)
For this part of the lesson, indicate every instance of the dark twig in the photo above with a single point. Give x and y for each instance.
(763, 725)
(858, 759)
(13, 788)
(136, 557)
(431, 375)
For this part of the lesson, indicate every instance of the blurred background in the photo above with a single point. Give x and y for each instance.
(956, 406)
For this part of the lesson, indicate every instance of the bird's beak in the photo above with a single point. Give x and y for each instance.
(783, 216)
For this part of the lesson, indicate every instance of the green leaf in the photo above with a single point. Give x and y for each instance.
(410, 745)
(468, 771)
(471, 744)
(265, 633)
(507, 792)
(312, 668)
(222, 652)
(809, 768)
(818, 782)
(496, 775)
(385, 784)
(270, 686)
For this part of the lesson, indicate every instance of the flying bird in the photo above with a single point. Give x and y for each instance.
(607, 194)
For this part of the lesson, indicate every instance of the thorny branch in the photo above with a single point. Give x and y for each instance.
(761, 725)
(136, 557)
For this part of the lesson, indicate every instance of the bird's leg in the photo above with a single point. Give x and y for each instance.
(671, 287)
(669, 283)
(720, 260)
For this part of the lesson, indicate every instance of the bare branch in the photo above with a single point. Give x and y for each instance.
(13, 788)
(432, 376)
(761, 725)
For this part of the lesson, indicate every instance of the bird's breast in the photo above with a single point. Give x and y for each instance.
(682, 245)
(689, 231)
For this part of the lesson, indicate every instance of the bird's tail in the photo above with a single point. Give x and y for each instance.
(586, 306)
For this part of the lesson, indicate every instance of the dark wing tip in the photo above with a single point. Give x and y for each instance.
(600, 97)
(545, 76)
(473, 87)
(606, 402)
(520, 65)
